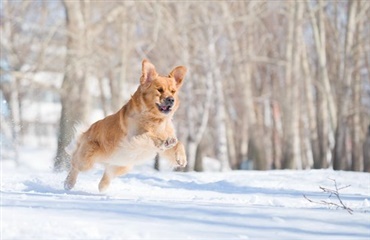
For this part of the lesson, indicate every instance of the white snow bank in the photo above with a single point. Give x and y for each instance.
(170, 205)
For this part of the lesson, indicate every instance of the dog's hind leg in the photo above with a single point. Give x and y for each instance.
(109, 173)
(73, 173)
(82, 160)
(71, 179)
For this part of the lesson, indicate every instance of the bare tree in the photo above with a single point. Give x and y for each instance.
(340, 156)
(197, 119)
(220, 119)
(74, 92)
(357, 133)
(291, 154)
(24, 53)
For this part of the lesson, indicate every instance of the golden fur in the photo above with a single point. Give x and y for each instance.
(138, 131)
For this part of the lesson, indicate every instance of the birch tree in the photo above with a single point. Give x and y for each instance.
(291, 152)
(357, 133)
(74, 91)
(220, 119)
(197, 119)
(340, 159)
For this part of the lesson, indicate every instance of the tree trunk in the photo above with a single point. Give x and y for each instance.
(157, 162)
(318, 27)
(366, 151)
(356, 129)
(191, 153)
(276, 135)
(340, 159)
(74, 92)
(221, 134)
(199, 158)
(118, 95)
(195, 131)
(10, 93)
(255, 146)
(220, 118)
(252, 139)
(310, 106)
(291, 154)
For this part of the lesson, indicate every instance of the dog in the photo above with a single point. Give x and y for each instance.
(141, 129)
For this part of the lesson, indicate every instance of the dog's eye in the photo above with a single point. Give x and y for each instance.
(173, 91)
(160, 90)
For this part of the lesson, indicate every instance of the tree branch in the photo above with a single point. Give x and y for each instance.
(332, 192)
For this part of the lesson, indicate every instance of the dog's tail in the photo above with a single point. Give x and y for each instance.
(78, 129)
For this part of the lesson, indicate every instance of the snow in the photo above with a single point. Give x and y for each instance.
(146, 204)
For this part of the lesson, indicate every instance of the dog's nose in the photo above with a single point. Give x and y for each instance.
(169, 101)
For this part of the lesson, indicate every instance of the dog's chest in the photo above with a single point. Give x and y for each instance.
(141, 125)
(133, 150)
(137, 147)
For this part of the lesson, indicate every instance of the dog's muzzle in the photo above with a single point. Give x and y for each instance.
(166, 105)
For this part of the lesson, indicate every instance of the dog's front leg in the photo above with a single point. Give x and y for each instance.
(168, 147)
(160, 141)
(176, 155)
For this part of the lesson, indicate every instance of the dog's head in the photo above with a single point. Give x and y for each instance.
(160, 94)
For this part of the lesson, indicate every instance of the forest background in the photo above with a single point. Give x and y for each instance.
(270, 84)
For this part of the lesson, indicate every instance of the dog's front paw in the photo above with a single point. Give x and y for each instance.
(181, 159)
(168, 143)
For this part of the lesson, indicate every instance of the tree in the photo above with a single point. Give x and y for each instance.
(340, 153)
(291, 150)
(366, 151)
(74, 91)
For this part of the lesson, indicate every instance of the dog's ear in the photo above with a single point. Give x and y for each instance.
(178, 73)
(148, 72)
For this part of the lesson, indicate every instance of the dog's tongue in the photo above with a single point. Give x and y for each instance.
(164, 108)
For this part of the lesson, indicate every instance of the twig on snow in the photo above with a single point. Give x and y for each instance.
(332, 192)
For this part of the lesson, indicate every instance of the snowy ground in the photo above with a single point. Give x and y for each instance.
(166, 205)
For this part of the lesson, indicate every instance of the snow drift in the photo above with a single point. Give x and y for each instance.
(170, 205)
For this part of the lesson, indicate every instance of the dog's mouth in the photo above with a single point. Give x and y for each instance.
(163, 108)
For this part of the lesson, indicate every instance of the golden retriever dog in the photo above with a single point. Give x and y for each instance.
(137, 132)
